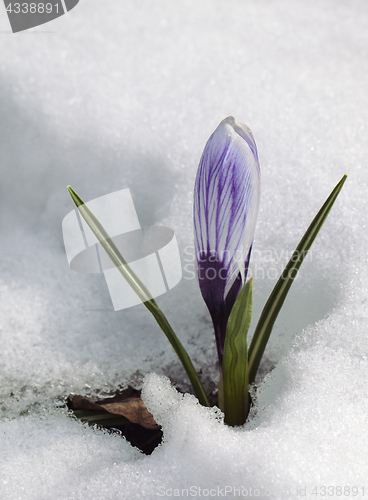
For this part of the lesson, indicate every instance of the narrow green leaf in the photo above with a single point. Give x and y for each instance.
(235, 359)
(103, 418)
(110, 248)
(142, 291)
(280, 291)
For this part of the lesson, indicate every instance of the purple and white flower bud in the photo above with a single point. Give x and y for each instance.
(226, 201)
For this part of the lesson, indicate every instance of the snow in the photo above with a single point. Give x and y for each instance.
(125, 94)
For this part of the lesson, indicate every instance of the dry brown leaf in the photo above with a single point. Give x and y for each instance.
(134, 410)
(131, 408)
(82, 403)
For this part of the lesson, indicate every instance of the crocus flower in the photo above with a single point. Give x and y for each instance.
(226, 201)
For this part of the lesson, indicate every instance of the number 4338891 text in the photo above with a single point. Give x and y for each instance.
(32, 8)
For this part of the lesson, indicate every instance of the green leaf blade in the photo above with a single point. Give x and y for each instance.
(103, 418)
(110, 248)
(142, 291)
(235, 359)
(278, 295)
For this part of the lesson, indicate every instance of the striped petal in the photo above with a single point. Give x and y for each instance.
(226, 201)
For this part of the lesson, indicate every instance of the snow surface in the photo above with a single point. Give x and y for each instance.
(125, 94)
